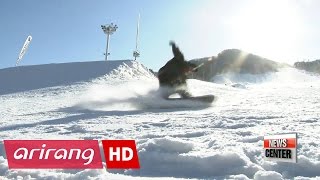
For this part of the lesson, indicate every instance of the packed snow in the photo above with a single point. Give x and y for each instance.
(175, 140)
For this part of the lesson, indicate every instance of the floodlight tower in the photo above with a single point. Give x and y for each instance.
(136, 53)
(108, 29)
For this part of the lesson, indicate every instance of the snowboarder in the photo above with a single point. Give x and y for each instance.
(172, 76)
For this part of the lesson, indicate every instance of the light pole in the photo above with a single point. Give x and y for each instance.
(136, 53)
(108, 29)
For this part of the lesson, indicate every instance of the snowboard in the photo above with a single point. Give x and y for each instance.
(205, 98)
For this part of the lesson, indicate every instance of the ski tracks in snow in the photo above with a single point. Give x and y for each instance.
(220, 141)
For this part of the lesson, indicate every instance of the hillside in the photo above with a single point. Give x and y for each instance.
(311, 66)
(233, 61)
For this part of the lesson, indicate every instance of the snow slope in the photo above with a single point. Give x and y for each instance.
(175, 140)
(24, 78)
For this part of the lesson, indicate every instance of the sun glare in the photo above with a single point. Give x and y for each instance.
(270, 29)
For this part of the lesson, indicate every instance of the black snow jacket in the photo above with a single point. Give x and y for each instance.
(174, 72)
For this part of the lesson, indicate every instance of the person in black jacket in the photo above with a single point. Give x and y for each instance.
(172, 76)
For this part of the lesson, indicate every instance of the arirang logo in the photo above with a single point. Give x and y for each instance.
(79, 154)
(71, 154)
(24, 153)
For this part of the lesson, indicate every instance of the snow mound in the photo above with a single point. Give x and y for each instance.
(128, 71)
(128, 87)
(240, 78)
(71, 174)
(305, 167)
(170, 157)
(127, 96)
(292, 75)
(283, 76)
(167, 145)
(266, 175)
(25, 78)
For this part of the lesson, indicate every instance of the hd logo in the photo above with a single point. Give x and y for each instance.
(282, 147)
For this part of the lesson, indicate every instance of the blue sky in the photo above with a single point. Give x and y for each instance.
(69, 30)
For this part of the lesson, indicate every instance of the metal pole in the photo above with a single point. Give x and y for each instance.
(108, 30)
(138, 24)
(107, 50)
(136, 52)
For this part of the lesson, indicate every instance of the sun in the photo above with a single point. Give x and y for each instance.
(267, 28)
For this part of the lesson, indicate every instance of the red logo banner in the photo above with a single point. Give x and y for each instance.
(48, 154)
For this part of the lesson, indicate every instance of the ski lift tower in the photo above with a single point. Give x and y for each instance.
(136, 52)
(108, 29)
